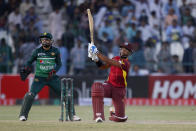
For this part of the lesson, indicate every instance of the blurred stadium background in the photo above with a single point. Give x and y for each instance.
(162, 75)
(162, 31)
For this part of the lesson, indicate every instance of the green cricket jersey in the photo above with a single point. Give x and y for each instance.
(45, 61)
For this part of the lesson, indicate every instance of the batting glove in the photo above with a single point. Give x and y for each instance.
(89, 50)
(94, 49)
(95, 58)
(92, 55)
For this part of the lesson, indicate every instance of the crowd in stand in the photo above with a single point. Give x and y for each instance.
(162, 32)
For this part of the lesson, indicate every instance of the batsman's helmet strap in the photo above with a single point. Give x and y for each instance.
(46, 35)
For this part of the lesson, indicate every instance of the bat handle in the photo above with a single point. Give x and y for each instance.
(92, 41)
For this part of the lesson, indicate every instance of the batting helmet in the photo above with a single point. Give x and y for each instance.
(127, 46)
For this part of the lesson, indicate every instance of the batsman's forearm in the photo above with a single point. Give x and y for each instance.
(108, 61)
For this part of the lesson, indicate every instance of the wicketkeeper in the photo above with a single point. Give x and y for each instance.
(115, 86)
(48, 62)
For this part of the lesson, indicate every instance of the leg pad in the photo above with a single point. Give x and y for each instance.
(97, 100)
(97, 90)
(27, 103)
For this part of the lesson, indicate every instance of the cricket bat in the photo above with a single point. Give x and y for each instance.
(91, 23)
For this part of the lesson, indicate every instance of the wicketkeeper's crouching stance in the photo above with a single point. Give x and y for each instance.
(48, 62)
(115, 86)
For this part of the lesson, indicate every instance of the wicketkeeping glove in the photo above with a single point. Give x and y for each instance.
(24, 72)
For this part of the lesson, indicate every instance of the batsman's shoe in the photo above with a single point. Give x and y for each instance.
(118, 119)
(99, 120)
(76, 118)
(23, 118)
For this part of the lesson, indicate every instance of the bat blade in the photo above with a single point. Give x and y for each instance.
(91, 23)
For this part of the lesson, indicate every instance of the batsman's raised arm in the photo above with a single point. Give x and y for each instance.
(125, 50)
(108, 61)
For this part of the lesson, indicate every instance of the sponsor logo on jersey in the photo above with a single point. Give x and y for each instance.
(52, 53)
(48, 62)
(41, 54)
(46, 68)
(36, 80)
(41, 61)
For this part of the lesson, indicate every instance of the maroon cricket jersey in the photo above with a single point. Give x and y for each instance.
(118, 75)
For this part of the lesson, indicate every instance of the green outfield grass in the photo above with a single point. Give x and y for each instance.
(141, 118)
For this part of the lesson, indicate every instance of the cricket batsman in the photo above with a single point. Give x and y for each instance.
(115, 86)
(48, 62)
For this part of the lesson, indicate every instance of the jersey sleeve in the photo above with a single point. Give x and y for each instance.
(32, 58)
(115, 58)
(58, 61)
